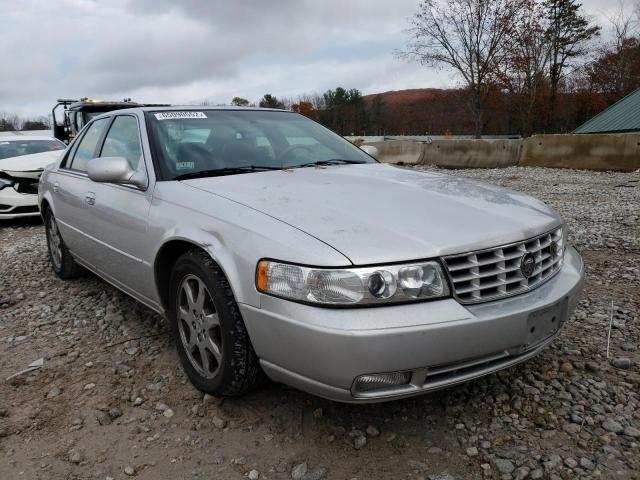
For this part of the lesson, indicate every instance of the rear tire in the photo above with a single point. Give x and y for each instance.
(61, 259)
(207, 327)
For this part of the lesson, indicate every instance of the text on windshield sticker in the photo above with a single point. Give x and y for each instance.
(185, 165)
(178, 115)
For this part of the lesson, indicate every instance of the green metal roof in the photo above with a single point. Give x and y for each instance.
(622, 116)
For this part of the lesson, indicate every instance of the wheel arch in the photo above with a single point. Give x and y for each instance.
(166, 258)
(46, 203)
(44, 206)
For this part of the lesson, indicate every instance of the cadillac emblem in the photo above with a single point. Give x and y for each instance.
(527, 265)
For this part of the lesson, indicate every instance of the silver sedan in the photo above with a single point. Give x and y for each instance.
(277, 249)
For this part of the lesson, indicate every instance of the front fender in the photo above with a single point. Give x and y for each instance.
(200, 239)
(235, 236)
(45, 193)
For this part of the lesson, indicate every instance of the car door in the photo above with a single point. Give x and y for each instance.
(70, 188)
(119, 213)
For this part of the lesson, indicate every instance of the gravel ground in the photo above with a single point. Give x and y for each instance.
(110, 400)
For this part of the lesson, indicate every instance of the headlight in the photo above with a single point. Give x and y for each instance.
(5, 182)
(352, 286)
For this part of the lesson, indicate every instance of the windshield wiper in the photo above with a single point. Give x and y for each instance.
(217, 172)
(331, 161)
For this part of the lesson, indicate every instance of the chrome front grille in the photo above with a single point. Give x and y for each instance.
(496, 273)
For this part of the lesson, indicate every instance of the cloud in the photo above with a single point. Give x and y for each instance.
(189, 51)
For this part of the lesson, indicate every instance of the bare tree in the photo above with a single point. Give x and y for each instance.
(624, 22)
(525, 65)
(569, 33)
(615, 68)
(467, 36)
(624, 26)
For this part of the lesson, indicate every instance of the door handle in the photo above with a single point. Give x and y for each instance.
(55, 187)
(90, 198)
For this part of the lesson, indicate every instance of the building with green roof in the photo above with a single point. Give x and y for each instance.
(621, 117)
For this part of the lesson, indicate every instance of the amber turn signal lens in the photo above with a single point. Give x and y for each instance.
(262, 280)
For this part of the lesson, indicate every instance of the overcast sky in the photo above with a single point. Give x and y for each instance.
(189, 51)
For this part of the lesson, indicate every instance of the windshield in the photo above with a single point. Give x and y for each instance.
(17, 148)
(188, 142)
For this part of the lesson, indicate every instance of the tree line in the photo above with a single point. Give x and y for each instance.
(345, 111)
(12, 122)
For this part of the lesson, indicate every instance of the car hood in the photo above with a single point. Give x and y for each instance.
(378, 213)
(29, 165)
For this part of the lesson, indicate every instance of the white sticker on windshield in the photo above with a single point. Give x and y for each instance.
(178, 115)
(185, 165)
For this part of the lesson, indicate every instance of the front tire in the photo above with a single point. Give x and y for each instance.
(210, 335)
(61, 259)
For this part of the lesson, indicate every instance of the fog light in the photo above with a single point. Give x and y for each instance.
(379, 381)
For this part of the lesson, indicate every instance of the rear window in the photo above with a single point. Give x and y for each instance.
(18, 148)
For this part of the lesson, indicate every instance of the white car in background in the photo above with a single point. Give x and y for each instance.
(22, 160)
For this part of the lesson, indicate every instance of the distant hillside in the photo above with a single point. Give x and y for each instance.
(424, 111)
(432, 111)
(411, 95)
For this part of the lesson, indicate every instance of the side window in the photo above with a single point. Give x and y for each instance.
(123, 140)
(72, 151)
(87, 146)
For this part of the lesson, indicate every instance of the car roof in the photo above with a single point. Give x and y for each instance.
(199, 108)
(14, 137)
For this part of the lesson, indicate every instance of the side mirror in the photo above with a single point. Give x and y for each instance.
(115, 170)
(370, 149)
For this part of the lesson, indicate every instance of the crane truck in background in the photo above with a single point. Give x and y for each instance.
(69, 116)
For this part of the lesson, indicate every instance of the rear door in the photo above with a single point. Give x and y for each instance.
(70, 191)
(119, 213)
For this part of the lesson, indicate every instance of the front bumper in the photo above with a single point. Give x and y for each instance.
(16, 205)
(442, 343)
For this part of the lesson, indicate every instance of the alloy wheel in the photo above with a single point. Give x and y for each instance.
(55, 243)
(199, 326)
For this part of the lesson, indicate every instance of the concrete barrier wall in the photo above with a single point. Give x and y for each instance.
(400, 151)
(472, 153)
(588, 152)
(450, 153)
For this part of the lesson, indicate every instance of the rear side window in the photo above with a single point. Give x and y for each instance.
(87, 146)
(123, 140)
